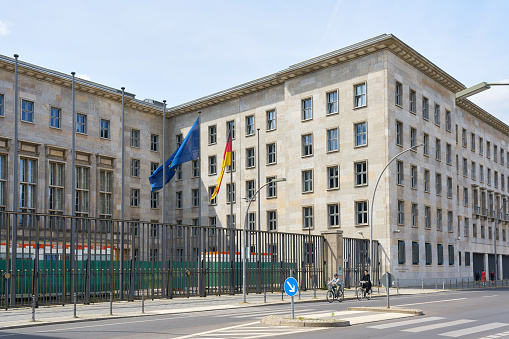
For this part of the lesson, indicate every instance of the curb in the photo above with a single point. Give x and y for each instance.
(388, 310)
(282, 321)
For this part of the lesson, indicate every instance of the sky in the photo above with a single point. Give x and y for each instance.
(183, 50)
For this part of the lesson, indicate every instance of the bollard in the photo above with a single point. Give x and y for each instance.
(299, 294)
(264, 294)
(282, 297)
(75, 299)
(143, 303)
(397, 286)
(111, 303)
(314, 289)
(422, 283)
(33, 308)
(443, 284)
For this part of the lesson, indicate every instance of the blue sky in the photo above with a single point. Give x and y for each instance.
(183, 50)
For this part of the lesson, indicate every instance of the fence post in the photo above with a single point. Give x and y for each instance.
(443, 284)
(111, 303)
(397, 286)
(75, 299)
(264, 294)
(282, 297)
(314, 289)
(143, 303)
(33, 308)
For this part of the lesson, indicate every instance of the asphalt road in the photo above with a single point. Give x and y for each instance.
(455, 314)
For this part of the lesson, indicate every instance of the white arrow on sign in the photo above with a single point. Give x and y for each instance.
(292, 287)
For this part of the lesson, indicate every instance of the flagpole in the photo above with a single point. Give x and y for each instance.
(199, 169)
(163, 162)
(73, 185)
(122, 202)
(15, 200)
(259, 183)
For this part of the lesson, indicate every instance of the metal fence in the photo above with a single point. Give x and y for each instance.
(448, 283)
(56, 258)
(356, 260)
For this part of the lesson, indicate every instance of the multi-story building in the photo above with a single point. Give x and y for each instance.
(328, 125)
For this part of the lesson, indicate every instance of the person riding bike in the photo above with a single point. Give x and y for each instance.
(366, 282)
(335, 283)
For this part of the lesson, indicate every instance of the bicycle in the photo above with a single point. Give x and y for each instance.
(334, 293)
(360, 291)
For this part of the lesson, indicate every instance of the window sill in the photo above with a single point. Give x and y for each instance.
(362, 185)
(57, 128)
(361, 225)
(333, 151)
(359, 107)
(360, 146)
(306, 120)
(333, 189)
(329, 114)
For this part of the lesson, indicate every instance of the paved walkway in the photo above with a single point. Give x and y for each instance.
(21, 317)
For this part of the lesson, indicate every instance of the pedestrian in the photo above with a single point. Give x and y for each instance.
(477, 276)
(483, 277)
(492, 277)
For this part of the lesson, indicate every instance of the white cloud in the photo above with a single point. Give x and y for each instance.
(3, 29)
(495, 101)
(83, 76)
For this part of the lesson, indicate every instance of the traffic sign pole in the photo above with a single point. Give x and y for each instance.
(293, 310)
(291, 288)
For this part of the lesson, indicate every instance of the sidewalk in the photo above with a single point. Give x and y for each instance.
(21, 317)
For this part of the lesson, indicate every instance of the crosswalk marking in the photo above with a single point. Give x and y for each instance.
(433, 302)
(472, 330)
(497, 335)
(439, 325)
(405, 322)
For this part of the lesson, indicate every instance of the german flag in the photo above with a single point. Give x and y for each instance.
(227, 161)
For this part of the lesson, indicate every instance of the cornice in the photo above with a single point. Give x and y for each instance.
(482, 115)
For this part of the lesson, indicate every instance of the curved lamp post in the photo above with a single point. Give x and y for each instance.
(244, 243)
(373, 202)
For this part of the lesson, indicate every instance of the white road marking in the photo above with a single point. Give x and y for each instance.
(472, 330)
(406, 322)
(497, 335)
(439, 325)
(194, 335)
(433, 302)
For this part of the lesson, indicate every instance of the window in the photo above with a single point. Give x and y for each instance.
(332, 102)
(467, 258)
(307, 217)
(502, 182)
(307, 109)
(272, 220)
(465, 196)
(271, 154)
(196, 168)
(466, 227)
(271, 120)
(488, 176)
(473, 170)
(451, 255)
(55, 116)
(106, 194)
(154, 142)
(429, 259)
(448, 121)
(230, 193)
(82, 187)
(426, 144)
(360, 95)
(105, 129)
(438, 183)
(427, 217)
(333, 177)
(250, 189)
(440, 254)
(399, 172)
(481, 173)
(399, 133)
(401, 252)
(250, 157)
(495, 153)
(415, 214)
(495, 179)
(413, 137)
(232, 166)
(250, 125)
(401, 212)
(437, 114)
(413, 174)
(361, 212)
(154, 199)
(178, 140)
(196, 197)
(502, 152)
(488, 149)
(27, 111)
(212, 164)
(178, 199)
(449, 187)
(399, 93)
(333, 212)
(332, 140)
(481, 145)
(439, 219)
(425, 108)
(211, 191)
(135, 197)
(3, 182)
(230, 128)
(213, 223)
(415, 253)
(438, 147)
(412, 101)
(307, 181)
(448, 156)
(426, 180)
(81, 123)
(361, 134)
(361, 173)
(135, 138)
(2, 113)
(135, 168)
(179, 172)
(271, 187)
(472, 142)
(465, 167)
(56, 186)
(307, 145)
(212, 135)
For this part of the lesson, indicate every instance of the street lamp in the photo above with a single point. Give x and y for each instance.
(373, 202)
(244, 243)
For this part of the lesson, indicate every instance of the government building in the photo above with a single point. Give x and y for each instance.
(328, 125)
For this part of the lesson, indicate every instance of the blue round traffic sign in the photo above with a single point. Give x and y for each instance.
(291, 286)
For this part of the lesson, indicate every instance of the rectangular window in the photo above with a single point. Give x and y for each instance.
(106, 194)
(135, 168)
(211, 191)
(27, 111)
(437, 115)
(399, 133)
(196, 197)
(440, 254)
(467, 258)
(332, 140)
(502, 152)
(413, 175)
(307, 145)
(307, 181)
(495, 179)
(361, 173)
(488, 149)
(178, 199)
(473, 170)
(56, 186)
(449, 187)
(360, 95)
(415, 214)
(333, 212)
(465, 196)
(488, 176)
(399, 172)
(332, 102)
(212, 135)
(250, 189)
(212, 164)
(135, 138)
(426, 144)
(105, 129)
(481, 173)
(307, 217)
(271, 154)
(401, 252)
(425, 108)
(154, 199)
(427, 217)
(55, 117)
(2, 112)
(179, 172)
(451, 255)
(230, 193)
(232, 167)
(3, 182)
(196, 168)
(448, 156)
(271, 120)
(179, 139)
(333, 177)
(438, 183)
(413, 99)
(438, 147)
(399, 93)
(466, 227)
(426, 181)
(361, 134)
(495, 153)
(307, 109)
(81, 123)
(465, 167)
(82, 187)
(401, 212)
(271, 187)
(448, 121)
(154, 142)
(135, 197)
(272, 220)
(472, 142)
(439, 219)
(250, 157)
(415, 253)
(429, 258)
(250, 125)
(481, 145)
(361, 212)
(230, 128)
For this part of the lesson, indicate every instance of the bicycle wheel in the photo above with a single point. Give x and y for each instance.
(359, 292)
(341, 296)
(368, 295)
(330, 296)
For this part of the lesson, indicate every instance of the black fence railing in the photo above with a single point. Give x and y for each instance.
(57, 258)
(356, 259)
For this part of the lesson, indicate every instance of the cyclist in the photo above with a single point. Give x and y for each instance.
(366, 282)
(335, 283)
